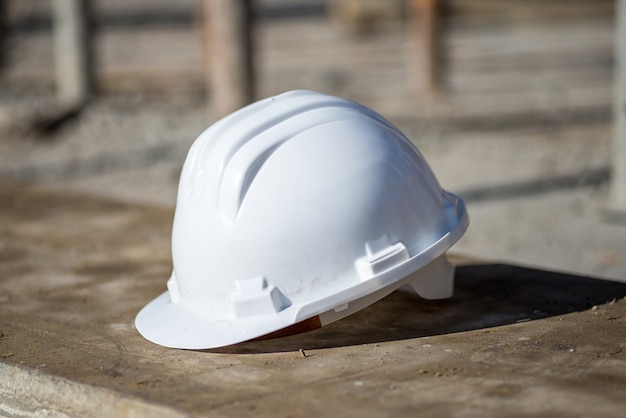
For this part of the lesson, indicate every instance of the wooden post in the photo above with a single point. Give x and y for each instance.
(426, 30)
(618, 181)
(229, 54)
(3, 32)
(73, 51)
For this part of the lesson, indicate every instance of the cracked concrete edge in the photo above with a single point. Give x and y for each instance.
(26, 392)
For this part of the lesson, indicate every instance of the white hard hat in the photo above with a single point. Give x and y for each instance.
(299, 208)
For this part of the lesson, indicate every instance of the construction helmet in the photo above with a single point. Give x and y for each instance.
(300, 208)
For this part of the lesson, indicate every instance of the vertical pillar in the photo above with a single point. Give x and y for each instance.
(229, 54)
(73, 51)
(4, 26)
(618, 180)
(426, 30)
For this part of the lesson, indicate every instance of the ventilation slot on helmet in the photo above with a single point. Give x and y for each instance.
(257, 297)
(172, 287)
(380, 256)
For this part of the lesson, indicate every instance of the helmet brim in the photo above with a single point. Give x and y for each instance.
(165, 323)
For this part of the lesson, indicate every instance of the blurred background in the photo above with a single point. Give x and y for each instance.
(510, 101)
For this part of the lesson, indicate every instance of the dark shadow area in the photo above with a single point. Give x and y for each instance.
(536, 119)
(174, 17)
(587, 178)
(300, 9)
(98, 164)
(485, 296)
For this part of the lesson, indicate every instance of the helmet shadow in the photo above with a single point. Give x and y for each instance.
(486, 295)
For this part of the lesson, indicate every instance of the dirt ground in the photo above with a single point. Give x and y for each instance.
(523, 131)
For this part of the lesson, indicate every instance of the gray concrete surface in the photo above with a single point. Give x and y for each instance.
(523, 134)
(76, 269)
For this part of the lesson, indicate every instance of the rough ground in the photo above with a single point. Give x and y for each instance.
(523, 133)
(511, 342)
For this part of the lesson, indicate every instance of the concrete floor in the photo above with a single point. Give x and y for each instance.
(523, 133)
(75, 270)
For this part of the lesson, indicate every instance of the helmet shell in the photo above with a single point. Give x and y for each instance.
(289, 208)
